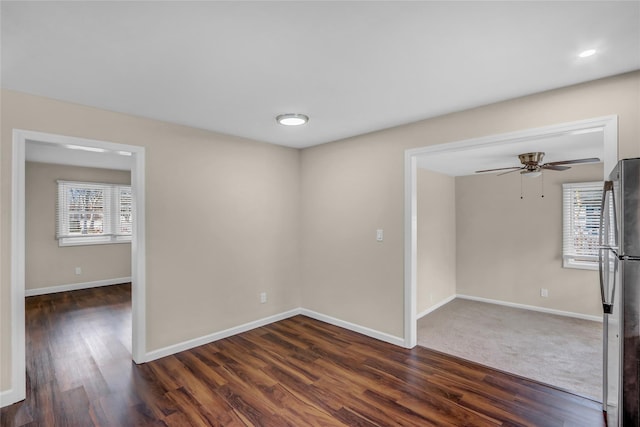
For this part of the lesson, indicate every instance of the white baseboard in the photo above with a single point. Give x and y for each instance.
(353, 327)
(75, 286)
(9, 397)
(206, 339)
(435, 307)
(533, 308)
(186, 345)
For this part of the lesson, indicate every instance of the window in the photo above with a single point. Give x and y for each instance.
(91, 213)
(581, 224)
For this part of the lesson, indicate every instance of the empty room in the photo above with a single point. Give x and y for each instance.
(215, 213)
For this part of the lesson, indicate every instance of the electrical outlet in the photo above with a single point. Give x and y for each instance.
(544, 293)
(78, 271)
(263, 297)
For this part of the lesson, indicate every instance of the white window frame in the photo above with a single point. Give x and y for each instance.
(112, 231)
(575, 255)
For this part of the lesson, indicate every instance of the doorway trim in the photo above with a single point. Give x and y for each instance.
(609, 125)
(18, 254)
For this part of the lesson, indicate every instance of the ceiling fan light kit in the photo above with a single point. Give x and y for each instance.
(531, 174)
(532, 165)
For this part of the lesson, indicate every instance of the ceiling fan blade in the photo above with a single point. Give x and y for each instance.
(573, 162)
(499, 169)
(555, 167)
(514, 170)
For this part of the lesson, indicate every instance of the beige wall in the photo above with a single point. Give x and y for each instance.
(241, 235)
(508, 248)
(48, 264)
(436, 257)
(221, 219)
(350, 187)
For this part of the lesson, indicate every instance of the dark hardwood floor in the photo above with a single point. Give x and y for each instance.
(296, 372)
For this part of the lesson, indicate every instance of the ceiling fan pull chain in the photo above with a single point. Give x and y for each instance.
(542, 182)
(521, 197)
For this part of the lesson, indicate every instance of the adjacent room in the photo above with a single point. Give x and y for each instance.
(255, 264)
(506, 276)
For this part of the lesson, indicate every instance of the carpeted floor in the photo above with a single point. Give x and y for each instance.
(556, 350)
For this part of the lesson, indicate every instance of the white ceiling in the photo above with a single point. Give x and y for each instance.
(353, 67)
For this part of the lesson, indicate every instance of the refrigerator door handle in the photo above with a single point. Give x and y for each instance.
(601, 272)
(607, 305)
(606, 248)
(607, 219)
(601, 275)
(605, 363)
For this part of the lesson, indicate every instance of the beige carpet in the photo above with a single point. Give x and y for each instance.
(556, 350)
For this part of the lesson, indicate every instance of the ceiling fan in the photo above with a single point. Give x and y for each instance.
(532, 166)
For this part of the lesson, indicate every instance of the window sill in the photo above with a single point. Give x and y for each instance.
(90, 241)
(580, 265)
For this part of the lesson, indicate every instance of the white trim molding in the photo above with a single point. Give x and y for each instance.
(17, 389)
(532, 308)
(9, 397)
(18, 261)
(76, 286)
(372, 333)
(435, 307)
(609, 125)
(410, 249)
(206, 339)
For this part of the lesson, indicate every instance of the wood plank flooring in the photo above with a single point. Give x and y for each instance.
(297, 372)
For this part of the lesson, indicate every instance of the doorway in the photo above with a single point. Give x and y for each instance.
(607, 125)
(604, 129)
(21, 139)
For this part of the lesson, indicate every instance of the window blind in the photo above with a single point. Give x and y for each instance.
(125, 213)
(83, 209)
(93, 213)
(581, 222)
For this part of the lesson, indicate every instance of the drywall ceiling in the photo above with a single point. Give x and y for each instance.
(568, 146)
(353, 67)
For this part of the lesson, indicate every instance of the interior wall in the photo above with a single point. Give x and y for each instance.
(48, 264)
(242, 234)
(436, 236)
(352, 186)
(509, 248)
(349, 191)
(221, 219)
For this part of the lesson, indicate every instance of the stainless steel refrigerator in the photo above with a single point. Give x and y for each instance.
(619, 257)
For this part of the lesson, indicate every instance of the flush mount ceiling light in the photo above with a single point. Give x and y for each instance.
(292, 119)
(531, 174)
(587, 53)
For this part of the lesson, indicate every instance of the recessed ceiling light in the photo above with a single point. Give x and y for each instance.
(587, 53)
(292, 119)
